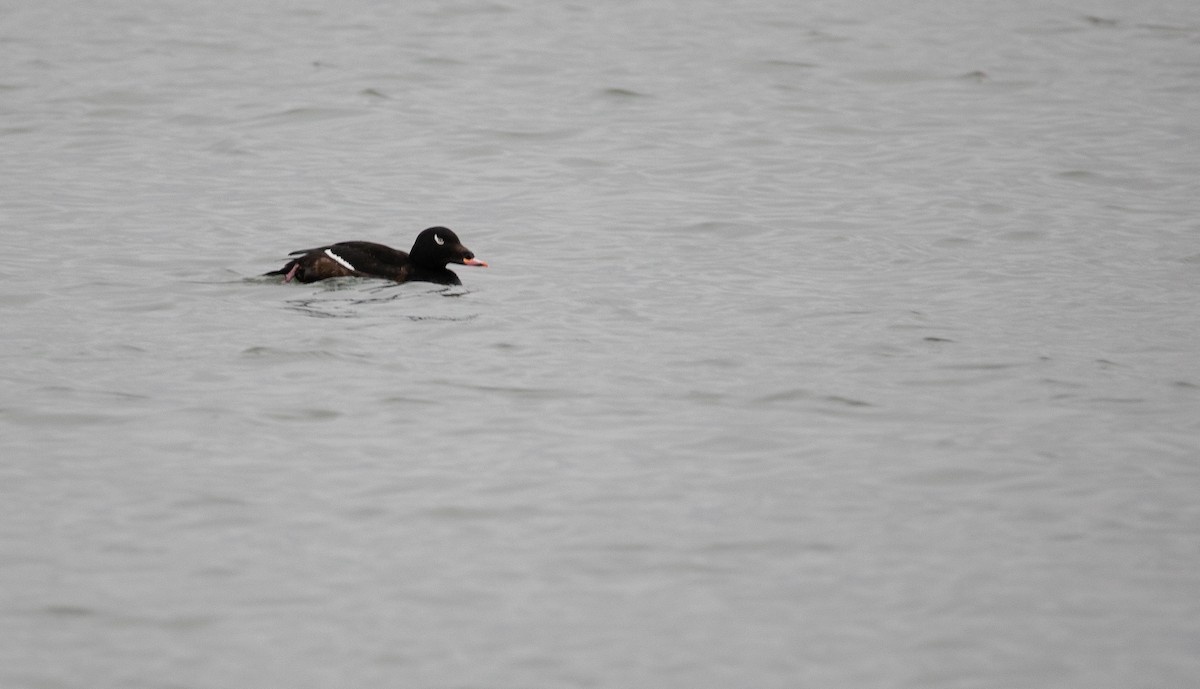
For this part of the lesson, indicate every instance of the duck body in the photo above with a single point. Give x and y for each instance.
(433, 249)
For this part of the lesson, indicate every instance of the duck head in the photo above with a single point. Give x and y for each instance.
(437, 246)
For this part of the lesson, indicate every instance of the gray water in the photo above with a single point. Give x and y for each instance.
(824, 344)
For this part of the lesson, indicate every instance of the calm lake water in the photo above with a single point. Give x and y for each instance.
(824, 344)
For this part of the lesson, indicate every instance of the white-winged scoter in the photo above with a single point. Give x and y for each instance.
(426, 262)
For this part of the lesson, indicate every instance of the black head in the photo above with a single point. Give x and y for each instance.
(438, 246)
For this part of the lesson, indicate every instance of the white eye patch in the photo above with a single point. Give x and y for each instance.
(339, 259)
(438, 238)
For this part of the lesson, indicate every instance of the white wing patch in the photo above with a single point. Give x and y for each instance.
(339, 259)
(438, 238)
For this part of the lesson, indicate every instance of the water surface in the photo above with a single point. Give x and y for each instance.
(823, 344)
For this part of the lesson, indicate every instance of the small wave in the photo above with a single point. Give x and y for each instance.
(618, 92)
